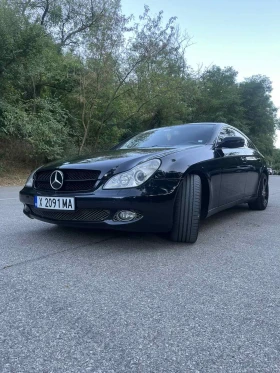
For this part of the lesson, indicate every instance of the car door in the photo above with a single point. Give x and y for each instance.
(233, 170)
(254, 162)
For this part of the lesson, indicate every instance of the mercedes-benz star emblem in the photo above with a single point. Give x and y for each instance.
(56, 180)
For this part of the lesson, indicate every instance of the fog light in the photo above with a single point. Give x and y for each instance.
(125, 215)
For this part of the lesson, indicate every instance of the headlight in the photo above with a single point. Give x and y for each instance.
(134, 177)
(30, 180)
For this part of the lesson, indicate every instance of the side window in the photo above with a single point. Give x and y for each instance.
(226, 132)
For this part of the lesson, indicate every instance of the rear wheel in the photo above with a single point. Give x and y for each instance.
(260, 203)
(187, 210)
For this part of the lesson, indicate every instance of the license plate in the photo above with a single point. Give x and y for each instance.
(54, 203)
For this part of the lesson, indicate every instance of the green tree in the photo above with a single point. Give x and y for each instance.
(134, 70)
(67, 21)
(33, 74)
(275, 162)
(217, 97)
(259, 113)
(78, 75)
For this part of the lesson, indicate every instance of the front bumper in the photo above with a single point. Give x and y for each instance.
(153, 201)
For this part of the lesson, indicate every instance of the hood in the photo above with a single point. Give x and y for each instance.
(114, 161)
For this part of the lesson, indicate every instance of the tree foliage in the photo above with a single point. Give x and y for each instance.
(79, 75)
(260, 115)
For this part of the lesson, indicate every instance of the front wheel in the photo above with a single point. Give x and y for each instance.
(187, 210)
(260, 203)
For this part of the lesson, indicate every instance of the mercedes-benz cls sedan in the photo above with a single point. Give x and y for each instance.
(161, 180)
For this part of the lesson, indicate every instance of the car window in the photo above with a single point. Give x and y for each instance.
(171, 136)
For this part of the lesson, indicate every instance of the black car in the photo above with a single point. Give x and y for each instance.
(161, 180)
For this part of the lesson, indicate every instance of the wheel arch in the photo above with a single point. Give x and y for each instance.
(265, 172)
(205, 190)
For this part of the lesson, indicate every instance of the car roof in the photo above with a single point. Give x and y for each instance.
(218, 124)
(212, 123)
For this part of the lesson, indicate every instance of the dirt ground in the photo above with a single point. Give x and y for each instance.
(12, 175)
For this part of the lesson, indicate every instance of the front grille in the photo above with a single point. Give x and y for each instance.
(89, 215)
(74, 180)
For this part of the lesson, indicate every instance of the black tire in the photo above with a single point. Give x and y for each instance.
(260, 203)
(187, 210)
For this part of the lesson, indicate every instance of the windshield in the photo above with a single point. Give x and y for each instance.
(171, 136)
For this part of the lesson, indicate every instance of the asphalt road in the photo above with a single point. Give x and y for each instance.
(79, 301)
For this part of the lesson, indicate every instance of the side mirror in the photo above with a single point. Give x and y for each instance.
(231, 142)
